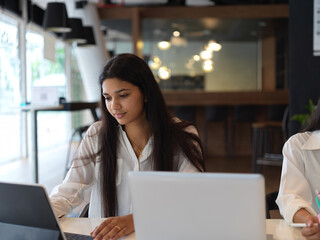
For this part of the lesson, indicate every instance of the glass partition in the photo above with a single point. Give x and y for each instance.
(209, 54)
(214, 54)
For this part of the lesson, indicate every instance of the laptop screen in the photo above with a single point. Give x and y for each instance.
(172, 205)
(25, 211)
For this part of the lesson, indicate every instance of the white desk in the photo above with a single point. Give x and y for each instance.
(277, 228)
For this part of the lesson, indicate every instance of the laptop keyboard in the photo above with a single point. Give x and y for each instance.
(74, 236)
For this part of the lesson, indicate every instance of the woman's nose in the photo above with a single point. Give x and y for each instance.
(115, 105)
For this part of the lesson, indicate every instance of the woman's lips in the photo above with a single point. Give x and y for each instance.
(119, 115)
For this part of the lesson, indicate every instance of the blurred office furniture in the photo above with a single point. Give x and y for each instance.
(85, 210)
(65, 106)
(268, 139)
(241, 114)
(202, 99)
(271, 203)
(187, 113)
(80, 131)
(214, 114)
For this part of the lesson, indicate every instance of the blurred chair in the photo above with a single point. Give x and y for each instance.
(241, 114)
(187, 113)
(85, 211)
(271, 203)
(215, 114)
(80, 131)
(269, 137)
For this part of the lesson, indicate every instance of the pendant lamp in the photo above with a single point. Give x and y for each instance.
(56, 18)
(77, 33)
(89, 36)
(36, 14)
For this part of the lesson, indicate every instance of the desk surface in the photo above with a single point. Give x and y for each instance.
(275, 227)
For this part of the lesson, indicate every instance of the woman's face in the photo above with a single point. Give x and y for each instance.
(124, 101)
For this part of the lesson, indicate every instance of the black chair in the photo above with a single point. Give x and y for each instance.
(85, 211)
(268, 139)
(216, 114)
(271, 203)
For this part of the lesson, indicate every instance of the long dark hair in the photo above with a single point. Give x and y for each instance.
(169, 135)
(314, 122)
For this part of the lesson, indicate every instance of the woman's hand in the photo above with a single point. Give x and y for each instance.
(114, 228)
(311, 232)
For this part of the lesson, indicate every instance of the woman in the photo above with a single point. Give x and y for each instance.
(300, 178)
(136, 133)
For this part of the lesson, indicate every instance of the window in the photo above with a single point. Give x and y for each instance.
(9, 90)
(52, 126)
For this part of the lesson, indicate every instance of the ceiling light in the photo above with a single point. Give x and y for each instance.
(89, 35)
(164, 73)
(205, 54)
(207, 66)
(214, 46)
(196, 58)
(164, 45)
(56, 18)
(77, 33)
(155, 63)
(176, 33)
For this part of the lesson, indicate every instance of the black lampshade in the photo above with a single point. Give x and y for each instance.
(77, 33)
(36, 14)
(13, 6)
(89, 36)
(56, 18)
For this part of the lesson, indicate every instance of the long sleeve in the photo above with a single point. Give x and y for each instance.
(79, 179)
(295, 192)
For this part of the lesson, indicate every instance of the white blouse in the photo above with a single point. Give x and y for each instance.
(300, 176)
(83, 177)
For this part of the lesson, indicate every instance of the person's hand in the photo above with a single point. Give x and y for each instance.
(311, 232)
(114, 228)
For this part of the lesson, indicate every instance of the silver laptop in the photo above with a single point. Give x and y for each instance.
(174, 206)
(26, 213)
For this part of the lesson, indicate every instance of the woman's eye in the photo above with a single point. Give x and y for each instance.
(124, 95)
(108, 98)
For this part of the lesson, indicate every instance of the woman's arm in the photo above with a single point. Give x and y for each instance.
(295, 192)
(80, 177)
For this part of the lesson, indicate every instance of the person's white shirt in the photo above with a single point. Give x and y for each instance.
(83, 175)
(300, 176)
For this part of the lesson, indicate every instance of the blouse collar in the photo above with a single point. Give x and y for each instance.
(313, 143)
